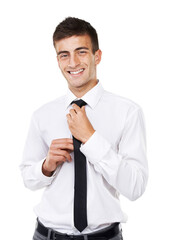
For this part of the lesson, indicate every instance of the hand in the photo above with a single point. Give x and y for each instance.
(58, 153)
(79, 124)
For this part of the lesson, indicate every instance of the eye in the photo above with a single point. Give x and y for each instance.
(82, 52)
(63, 56)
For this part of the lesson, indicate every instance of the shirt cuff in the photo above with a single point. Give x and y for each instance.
(95, 148)
(41, 176)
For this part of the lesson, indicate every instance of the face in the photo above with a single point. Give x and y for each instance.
(77, 61)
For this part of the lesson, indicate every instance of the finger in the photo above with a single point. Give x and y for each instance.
(57, 158)
(55, 155)
(62, 140)
(68, 117)
(59, 152)
(69, 151)
(72, 112)
(76, 107)
(83, 108)
(68, 146)
(61, 159)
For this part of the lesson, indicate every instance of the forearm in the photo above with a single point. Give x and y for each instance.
(127, 174)
(124, 174)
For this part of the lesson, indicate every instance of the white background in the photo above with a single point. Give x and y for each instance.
(135, 40)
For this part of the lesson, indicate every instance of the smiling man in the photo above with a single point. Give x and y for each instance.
(85, 148)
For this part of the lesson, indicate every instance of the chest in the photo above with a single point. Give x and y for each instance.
(109, 122)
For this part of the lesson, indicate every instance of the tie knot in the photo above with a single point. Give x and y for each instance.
(79, 102)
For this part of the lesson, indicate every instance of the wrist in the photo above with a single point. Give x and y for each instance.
(85, 139)
(45, 171)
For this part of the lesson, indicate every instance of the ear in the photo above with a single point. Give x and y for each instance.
(98, 56)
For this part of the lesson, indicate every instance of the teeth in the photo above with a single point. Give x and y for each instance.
(81, 70)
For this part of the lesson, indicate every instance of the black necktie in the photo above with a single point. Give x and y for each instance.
(80, 184)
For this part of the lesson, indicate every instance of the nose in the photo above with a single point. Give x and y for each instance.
(73, 61)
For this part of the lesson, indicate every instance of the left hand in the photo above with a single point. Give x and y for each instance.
(79, 124)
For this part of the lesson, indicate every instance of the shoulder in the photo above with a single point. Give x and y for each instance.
(114, 98)
(122, 104)
(50, 107)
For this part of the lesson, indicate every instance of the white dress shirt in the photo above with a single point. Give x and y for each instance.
(115, 154)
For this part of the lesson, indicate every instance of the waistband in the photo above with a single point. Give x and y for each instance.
(103, 234)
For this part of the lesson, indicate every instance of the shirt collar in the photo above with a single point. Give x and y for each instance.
(91, 97)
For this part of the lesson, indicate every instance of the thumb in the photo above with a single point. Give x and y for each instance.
(83, 108)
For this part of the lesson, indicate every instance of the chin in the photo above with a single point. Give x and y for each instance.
(76, 83)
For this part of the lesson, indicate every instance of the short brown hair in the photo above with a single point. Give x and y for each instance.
(74, 26)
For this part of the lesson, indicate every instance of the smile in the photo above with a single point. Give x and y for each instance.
(76, 72)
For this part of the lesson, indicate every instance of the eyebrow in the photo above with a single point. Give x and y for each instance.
(80, 48)
(77, 49)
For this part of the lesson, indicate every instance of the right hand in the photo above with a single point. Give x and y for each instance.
(58, 153)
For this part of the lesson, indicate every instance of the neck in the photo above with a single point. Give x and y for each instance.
(82, 90)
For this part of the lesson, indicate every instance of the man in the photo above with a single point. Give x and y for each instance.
(84, 148)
